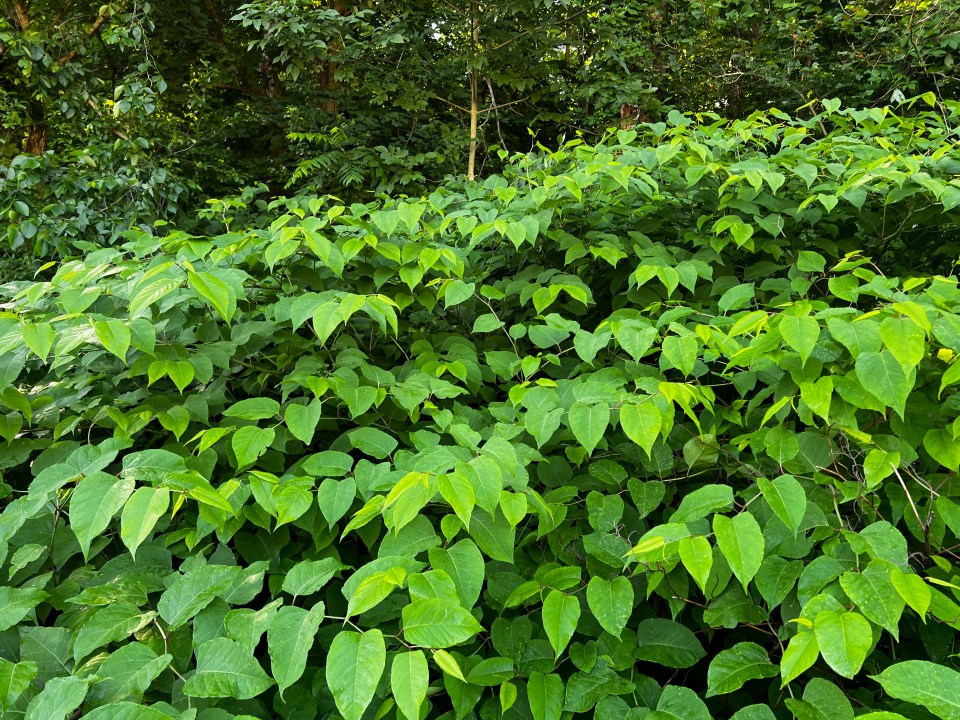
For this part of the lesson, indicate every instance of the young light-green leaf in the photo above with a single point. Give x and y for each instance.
(409, 680)
(742, 544)
(560, 615)
(354, 666)
(930, 685)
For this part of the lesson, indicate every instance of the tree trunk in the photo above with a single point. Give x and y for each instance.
(474, 93)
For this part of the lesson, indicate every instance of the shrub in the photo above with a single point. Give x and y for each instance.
(634, 429)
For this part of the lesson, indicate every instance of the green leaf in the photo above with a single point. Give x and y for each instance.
(97, 498)
(192, 592)
(249, 443)
(883, 377)
(844, 639)
(702, 502)
(437, 623)
(696, 554)
(127, 673)
(905, 340)
(409, 679)
(801, 653)
(730, 669)
(289, 639)
(912, 590)
(112, 623)
(786, 498)
(58, 699)
(209, 287)
(354, 666)
(874, 594)
(16, 603)
(335, 498)
(302, 420)
(742, 544)
(929, 685)
(457, 490)
(800, 333)
(641, 423)
(669, 643)
(373, 442)
(680, 352)
(545, 695)
(114, 335)
(140, 515)
(258, 408)
(225, 670)
(39, 338)
(611, 602)
(308, 576)
(560, 615)
(588, 422)
(15, 678)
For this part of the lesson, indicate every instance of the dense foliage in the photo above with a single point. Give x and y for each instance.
(661, 427)
(124, 107)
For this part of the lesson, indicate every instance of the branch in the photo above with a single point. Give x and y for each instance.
(94, 29)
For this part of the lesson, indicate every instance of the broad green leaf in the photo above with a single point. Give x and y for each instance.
(108, 624)
(702, 502)
(930, 685)
(15, 678)
(875, 595)
(354, 666)
(680, 353)
(437, 623)
(374, 589)
(132, 711)
(668, 643)
(457, 490)
(97, 498)
(114, 335)
(58, 699)
(641, 423)
(786, 498)
(127, 673)
(192, 592)
(560, 615)
(742, 544)
(409, 679)
(912, 590)
(730, 669)
(800, 333)
(696, 554)
(588, 422)
(545, 695)
(209, 287)
(308, 576)
(140, 515)
(844, 639)
(884, 378)
(302, 420)
(905, 340)
(225, 670)
(800, 654)
(39, 338)
(335, 498)
(464, 564)
(249, 443)
(373, 442)
(611, 602)
(16, 603)
(289, 639)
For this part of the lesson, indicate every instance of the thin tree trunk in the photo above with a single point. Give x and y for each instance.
(474, 93)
